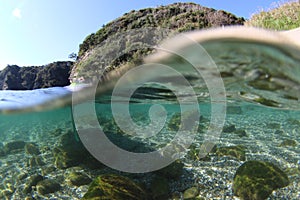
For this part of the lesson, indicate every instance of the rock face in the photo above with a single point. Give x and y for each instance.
(255, 180)
(174, 18)
(14, 77)
(111, 186)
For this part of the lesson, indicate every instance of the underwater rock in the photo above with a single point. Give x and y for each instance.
(159, 188)
(6, 194)
(111, 186)
(237, 152)
(174, 122)
(288, 142)
(78, 179)
(32, 181)
(229, 129)
(265, 84)
(2, 153)
(293, 122)
(191, 193)
(71, 152)
(193, 153)
(32, 149)
(14, 146)
(273, 126)
(267, 102)
(47, 186)
(65, 159)
(241, 133)
(255, 180)
(22, 176)
(173, 171)
(47, 170)
(237, 110)
(35, 161)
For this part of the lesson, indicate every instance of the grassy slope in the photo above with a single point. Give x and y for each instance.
(284, 16)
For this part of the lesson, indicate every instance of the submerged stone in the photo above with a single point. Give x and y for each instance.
(35, 161)
(111, 186)
(240, 133)
(173, 171)
(32, 149)
(191, 193)
(32, 181)
(288, 142)
(78, 179)
(159, 188)
(47, 186)
(237, 110)
(255, 180)
(229, 129)
(13, 146)
(237, 152)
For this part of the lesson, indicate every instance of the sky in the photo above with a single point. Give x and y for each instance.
(38, 32)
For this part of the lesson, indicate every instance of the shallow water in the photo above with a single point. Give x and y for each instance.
(262, 103)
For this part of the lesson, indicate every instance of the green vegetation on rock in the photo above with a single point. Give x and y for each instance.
(47, 186)
(110, 186)
(255, 180)
(237, 152)
(132, 36)
(288, 142)
(78, 179)
(159, 188)
(284, 16)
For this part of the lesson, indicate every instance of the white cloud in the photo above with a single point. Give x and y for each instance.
(17, 13)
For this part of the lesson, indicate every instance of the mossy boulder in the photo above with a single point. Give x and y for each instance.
(229, 129)
(288, 142)
(255, 180)
(194, 151)
(35, 161)
(32, 181)
(237, 152)
(111, 186)
(47, 186)
(32, 149)
(71, 152)
(191, 193)
(14, 146)
(159, 188)
(173, 171)
(237, 110)
(240, 133)
(78, 179)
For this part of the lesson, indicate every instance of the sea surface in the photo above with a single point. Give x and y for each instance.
(262, 85)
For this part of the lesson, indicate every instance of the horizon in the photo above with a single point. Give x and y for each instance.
(36, 33)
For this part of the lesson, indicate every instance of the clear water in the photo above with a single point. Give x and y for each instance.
(262, 89)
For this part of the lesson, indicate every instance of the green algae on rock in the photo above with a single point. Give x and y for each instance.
(32, 181)
(47, 186)
(237, 152)
(32, 149)
(159, 188)
(78, 179)
(173, 171)
(191, 193)
(111, 186)
(288, 142)
(255, 180)
(14, 146)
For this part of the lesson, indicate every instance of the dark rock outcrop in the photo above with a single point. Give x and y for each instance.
(54, 74)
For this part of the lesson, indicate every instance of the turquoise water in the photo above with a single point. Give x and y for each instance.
(262, 115)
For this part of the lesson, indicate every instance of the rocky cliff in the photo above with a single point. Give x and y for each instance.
(175, 18)
(94, 62)
(14, 77)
